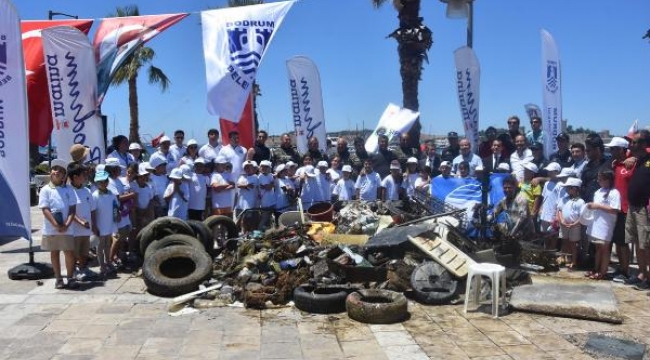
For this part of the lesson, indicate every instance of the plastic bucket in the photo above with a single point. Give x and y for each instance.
(321, 212)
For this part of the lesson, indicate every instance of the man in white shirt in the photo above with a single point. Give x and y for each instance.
(521, 155)
(466, 154)
(178, 149)
(165, 155)
(210, 150)
(234, 153)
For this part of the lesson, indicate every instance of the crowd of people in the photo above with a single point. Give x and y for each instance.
(114, 200)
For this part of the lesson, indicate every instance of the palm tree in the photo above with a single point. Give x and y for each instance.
(413, 41)
(129, 70)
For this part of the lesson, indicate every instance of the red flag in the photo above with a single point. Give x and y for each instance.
(38, 96)
(117, 38)
(156, 140)
(245, 126)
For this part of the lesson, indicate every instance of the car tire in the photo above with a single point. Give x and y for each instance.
(375, 306)
(432, 284)
(320, 300)
(221, 228)
(176, 270)
(174, 240)
(161, 227)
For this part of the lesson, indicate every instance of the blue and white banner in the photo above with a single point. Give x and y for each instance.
(468, 77)
(393, 122)
(14, 149)
(552, 90)
(306, 102)
(234, 41)
(466, 193)
(72, 78)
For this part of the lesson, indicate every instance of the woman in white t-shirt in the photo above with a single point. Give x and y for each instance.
(58, 203)
(606, 205)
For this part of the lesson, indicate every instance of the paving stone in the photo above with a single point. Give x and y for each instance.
(354, 334)
(35, 320)
(95, 331)
(137, 323)
(128, 337)
(115, 309)
(33, 352)
(355, 349)
(466, 334)
(117, 352)
(386, 327)
(199, 351)
(12, 298)
(490, 325)
(81, 347)
(280, 351)
(280, 334)
(498, 357)
(389, 338)
(155, 346)
(480, 348)
(80, 311)
(451, 322)
(50, 299)
(507, 338)
(203, 337)
(405, 352)
(552, 342)
(148, 310)
(69, 325)
(526, 352)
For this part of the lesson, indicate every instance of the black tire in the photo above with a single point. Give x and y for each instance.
(374, 306)
(433, 284)
(174, 240)
(203, 233)
(222, 228)
(161, 227)
(176, 270)
(320, 300)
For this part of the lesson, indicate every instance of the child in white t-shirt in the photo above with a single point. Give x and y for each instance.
(160, 181)
(283, 189)
(199, 184)
(248, 185)
(410, 176)
(344, 188)
(144, 210)
(606, 205)
(569, 208)
(368, 183)
(266, 185)
(58, 202)
(324, 181)
(177, 195)
(392, 183)
(222, 187)
(82, 224)
(104, 221)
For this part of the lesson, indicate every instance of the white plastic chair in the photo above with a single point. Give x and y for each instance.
(497, 275)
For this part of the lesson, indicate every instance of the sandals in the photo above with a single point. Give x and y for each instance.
(589, 274)
(597, 276)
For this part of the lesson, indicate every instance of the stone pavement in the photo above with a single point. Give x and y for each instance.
(119, 320)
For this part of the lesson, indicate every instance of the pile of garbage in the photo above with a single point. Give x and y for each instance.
(360, 261)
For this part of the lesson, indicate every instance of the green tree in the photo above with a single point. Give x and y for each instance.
(129, 71)
(414, 39)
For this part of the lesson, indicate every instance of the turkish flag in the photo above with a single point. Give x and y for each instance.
(245, 126)
(38, 96)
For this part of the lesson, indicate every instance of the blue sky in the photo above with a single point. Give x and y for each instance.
(605, 63)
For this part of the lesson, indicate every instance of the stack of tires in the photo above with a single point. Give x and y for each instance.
(178, 254)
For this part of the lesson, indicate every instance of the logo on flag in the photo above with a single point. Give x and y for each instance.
(234, 41)
(551, 76)
(4, 78)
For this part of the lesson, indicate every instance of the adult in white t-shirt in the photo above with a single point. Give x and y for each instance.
(234, 153)
(391, 184)
(211, 150)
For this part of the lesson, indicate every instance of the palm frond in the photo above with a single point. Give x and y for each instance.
(129, 10)
(157, 76)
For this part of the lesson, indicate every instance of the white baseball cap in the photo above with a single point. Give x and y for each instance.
(165, 139)
(156, 161)
(186, 171)
(199, 160)
(347, 168)
(60, 163)
(445, 163)
(290, 164)
(412, 160)
(192, 142)
(135, 146)
(394, 166)
(148, 166)
(112, 162)
(142, 169)
(573, 182)
(530, 167)
(220, 160)
(249, 162)
(553, 167)
(503, 166)
(176, 173)
(266, 163)
(566, 172)
(618, 142)
(279, 168)
(322, 163)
